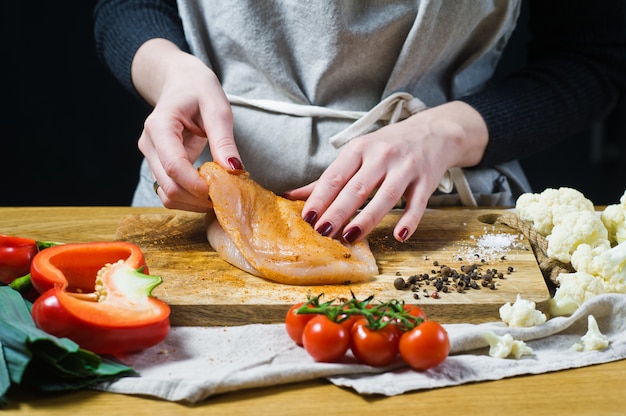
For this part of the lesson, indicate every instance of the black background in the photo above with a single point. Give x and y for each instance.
(70, 135)
(68, 130)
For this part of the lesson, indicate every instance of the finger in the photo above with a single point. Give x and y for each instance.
(325, 191)
(175, 186)
(301, 193)
(175, 202)
(217, 119)
(383, 201)
(174, 196)
(163, 144)
(416, 202)
(353, 195)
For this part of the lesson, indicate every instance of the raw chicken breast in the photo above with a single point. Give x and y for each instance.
(264, 235)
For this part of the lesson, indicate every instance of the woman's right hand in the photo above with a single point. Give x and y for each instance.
(190, 108)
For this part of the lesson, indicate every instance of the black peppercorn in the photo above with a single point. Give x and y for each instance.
(400, 284)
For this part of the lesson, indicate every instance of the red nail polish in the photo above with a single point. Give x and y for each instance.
(235, 164)
(310, 217)
(325, 229)
(352, 234)
(404, 233)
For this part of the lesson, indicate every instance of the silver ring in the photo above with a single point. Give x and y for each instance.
(155, 186)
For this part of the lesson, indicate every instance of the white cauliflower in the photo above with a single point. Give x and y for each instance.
(521, 314)
(603, 262)
(542, 209)
(593, 339)
(505, 346)
(571, 230)
(594, 244)
(614, 219)
(573, 290)
(583, 256)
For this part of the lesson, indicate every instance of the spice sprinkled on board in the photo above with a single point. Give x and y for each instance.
(491, 246)
(448, 279)
(475, 254)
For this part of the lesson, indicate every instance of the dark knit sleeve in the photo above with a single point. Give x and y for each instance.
(576, 72)
(122, 26)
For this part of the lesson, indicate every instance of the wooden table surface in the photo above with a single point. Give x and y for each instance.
(584, 391)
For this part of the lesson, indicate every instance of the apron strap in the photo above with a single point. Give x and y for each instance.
(294, 109)
(394, 108)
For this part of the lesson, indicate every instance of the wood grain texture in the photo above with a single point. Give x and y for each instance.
(586, 391)
(583, 391)
(202, 289)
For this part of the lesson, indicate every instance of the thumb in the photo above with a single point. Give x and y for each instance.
(218, 125)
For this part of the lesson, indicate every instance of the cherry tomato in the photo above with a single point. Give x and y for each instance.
(375, 347)
(425, 346)
(325, 340)
(348, 322)
(295, 322)
(415, 311)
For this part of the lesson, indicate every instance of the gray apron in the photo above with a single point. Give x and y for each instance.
(303, 78)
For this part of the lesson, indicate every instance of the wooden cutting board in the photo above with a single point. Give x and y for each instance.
(202, 289)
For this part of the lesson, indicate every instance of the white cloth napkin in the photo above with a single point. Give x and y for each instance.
(193, 363)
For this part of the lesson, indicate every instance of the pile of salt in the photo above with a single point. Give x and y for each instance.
(491, 246)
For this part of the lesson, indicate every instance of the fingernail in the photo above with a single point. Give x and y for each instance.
(310, 217)
(235, 164)
(352, 234)
(404, 233)
(325, 229)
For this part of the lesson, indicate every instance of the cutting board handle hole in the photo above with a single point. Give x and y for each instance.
(488, 218)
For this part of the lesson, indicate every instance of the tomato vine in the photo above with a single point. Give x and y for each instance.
(376, 332)
(378, 315)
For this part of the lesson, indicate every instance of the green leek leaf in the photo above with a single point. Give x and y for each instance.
(32, 357)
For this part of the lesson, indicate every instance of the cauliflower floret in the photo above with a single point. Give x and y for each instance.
(576, 234)
(541, 209)
(603, 262)
(614, 219)
(583, 256)
(573, 290)
(529, 208)
(593, 339)
(521, 314)
(572, 229)
(505, 346)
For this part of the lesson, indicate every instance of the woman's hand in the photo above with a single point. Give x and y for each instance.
(407, 159)
(190, 108)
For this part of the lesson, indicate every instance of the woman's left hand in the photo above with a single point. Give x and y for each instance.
(407, 159)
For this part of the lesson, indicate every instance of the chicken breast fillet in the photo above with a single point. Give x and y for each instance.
(265, 235)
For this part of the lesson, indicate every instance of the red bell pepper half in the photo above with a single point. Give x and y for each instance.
(99, 296)
(16, 253)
